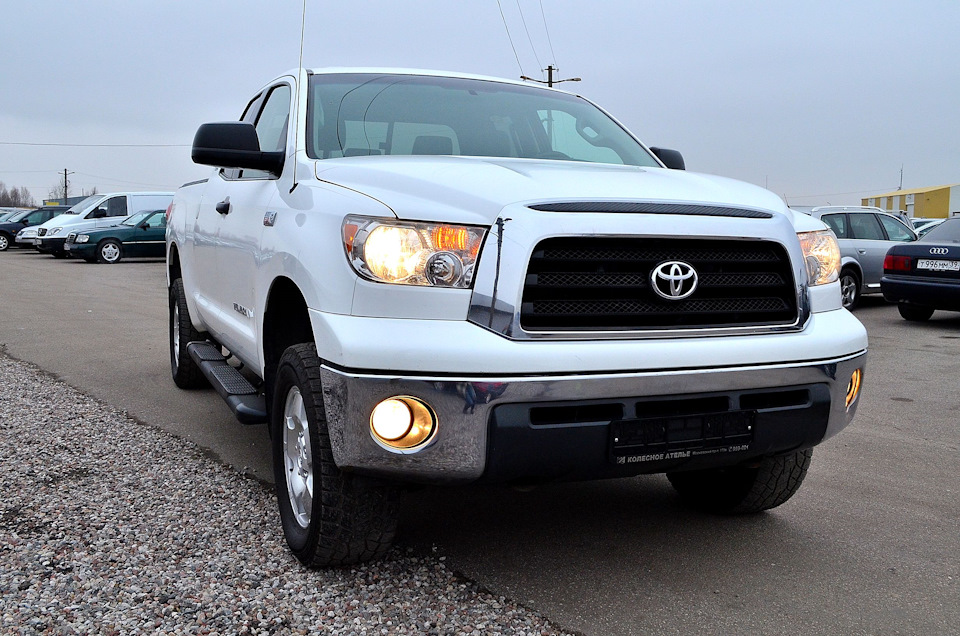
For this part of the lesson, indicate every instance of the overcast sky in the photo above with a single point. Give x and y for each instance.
(821, 101)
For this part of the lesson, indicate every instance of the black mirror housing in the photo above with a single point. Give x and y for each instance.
(670, 158)
(233, 144)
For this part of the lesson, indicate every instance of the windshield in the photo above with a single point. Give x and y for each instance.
(133, 219)
(946, 232)
(18, 216)
(372, 114)
(84, 205)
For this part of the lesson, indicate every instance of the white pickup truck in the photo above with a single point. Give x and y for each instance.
(441, 278)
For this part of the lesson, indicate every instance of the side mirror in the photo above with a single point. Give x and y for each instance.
(24, 221)
(233, 144)
(670, 158)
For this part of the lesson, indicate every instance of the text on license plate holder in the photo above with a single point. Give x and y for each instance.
(677, 437)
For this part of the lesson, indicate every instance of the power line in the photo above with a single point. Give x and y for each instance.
(502, 17)
(529, 39)
(553, 55)
(30, 143)
(832, 194)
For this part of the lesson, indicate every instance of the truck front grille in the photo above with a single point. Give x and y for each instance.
(577, 283)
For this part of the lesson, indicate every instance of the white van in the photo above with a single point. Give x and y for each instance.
(99, 210)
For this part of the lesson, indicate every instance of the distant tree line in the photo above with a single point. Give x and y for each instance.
(15, 197)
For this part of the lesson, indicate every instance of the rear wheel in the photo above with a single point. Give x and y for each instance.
(849, 288)
(186, 373)
(744, 489)
(108, 251)
(329, 517)
(916, 313)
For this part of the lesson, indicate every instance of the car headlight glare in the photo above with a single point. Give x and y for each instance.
(82, 238)
(411, 253)
(821, 254)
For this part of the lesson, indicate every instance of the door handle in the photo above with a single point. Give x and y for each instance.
(860, 251)
(224, 206)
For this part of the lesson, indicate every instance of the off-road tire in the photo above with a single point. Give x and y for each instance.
(186, 373)
(5, 241)
(109, 251)
(849, 289)
(743, 489)
(352, 518)
(914, 313)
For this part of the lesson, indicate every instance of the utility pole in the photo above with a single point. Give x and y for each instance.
(550, 81)
(66, 186)
(901, 178)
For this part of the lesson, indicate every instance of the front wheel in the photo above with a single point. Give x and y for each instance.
(4, 242)
(914, 313)
(329, 517)
(108, 251)
(744, 489)
(186, 373)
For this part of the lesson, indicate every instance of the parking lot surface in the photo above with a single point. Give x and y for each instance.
(870, 544)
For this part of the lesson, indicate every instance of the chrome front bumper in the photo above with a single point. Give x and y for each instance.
(464, 406)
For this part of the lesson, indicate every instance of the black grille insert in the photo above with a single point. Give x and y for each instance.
(576, 283)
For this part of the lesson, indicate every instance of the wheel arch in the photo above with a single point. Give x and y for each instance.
(173, 264)
(854, 265)
(286, 322)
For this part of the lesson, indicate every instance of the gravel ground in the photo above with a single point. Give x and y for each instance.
(110, 526)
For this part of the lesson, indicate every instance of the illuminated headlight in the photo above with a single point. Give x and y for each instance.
(821, 254)
(55, 230)
(82, 238)
(408, 253)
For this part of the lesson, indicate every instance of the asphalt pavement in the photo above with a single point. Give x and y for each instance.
(869, 545)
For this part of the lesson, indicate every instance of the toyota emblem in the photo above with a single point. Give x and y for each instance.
(674, 280)
(939, 250)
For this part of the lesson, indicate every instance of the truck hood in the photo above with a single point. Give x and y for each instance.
(474, 190)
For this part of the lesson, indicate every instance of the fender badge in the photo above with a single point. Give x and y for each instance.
(269, 219)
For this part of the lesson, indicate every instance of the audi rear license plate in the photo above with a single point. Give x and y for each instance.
(938, 265)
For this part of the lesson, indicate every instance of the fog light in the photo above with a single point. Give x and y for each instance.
(853, 387)
(402, 422)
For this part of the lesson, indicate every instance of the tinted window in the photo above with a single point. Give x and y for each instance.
(363, 114)
(896, 231)
(116, 206)
(837, 223)
(866, 226)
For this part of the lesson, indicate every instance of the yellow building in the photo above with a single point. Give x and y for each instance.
(938, 202)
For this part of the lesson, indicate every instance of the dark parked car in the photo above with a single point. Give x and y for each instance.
(140, 234)
(26, 218)
(924, 276)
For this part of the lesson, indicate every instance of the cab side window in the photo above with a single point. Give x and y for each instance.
(896, 231)
(866, 226)
(837, 223)
(271, 125)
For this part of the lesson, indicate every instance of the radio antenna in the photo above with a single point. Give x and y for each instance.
(296, 103)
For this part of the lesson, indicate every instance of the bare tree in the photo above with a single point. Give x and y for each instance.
(15, 197)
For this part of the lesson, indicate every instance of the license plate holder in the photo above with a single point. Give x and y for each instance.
(667, 438)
